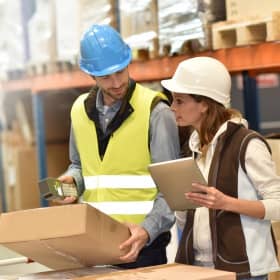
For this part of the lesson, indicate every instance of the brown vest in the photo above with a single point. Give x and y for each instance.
(228, 240)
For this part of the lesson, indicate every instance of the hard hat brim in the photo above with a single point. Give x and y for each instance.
(87, 67)
(173, 86)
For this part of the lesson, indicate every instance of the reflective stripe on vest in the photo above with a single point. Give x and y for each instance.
(119, 181)
(111, 194)
(113, 208)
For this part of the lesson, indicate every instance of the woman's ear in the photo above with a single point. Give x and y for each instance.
(204, 107)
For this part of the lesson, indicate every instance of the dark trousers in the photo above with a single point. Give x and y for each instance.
(155, 254)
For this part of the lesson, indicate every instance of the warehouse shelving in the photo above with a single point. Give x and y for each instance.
(259, 58)
(249, 60)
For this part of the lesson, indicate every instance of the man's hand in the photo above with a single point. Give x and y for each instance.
(138, 239)
(68, 199)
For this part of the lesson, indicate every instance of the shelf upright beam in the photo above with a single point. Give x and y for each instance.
(27, 10)
(116, 11)
(2, 184)
(38, 112)
(251, 101)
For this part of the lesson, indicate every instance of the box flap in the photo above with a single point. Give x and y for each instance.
(46, 223)
(64, 237)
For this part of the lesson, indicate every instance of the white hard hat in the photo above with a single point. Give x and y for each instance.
(201, 76)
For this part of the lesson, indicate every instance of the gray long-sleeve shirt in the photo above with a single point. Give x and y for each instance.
(164, 145)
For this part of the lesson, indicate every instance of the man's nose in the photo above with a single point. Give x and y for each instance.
(116, 81)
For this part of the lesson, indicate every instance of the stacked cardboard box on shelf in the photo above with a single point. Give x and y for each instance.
(56, 113)
(250, 9)
(20, 161)
(248, 22)
(20, 169)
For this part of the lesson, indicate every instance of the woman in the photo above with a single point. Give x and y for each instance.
(231, 230)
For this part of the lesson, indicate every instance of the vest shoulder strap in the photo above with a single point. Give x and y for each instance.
(243, 147)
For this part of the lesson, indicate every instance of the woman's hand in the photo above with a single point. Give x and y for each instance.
(212, 198)
(206, 196)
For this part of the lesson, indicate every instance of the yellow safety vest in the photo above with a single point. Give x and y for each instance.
(119, 184)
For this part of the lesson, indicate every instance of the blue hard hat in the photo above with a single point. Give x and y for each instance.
(103, 51)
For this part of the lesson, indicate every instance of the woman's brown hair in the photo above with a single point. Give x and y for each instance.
(213, 118)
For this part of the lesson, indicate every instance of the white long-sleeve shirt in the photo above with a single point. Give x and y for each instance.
(261, 171)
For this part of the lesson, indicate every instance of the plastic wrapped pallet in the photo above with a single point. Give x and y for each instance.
(67, 29)
(98, 11)
(73, 17)
(184, 26)
(12, 47)
(139, 25)
(42, 38)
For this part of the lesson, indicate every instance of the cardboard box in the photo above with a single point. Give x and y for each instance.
(10, 141)
(276, 230)
(56, 114)
(70, 273)
(166, 272)
(20, 169)
(250, 9)
(64, 237)
(275, 148)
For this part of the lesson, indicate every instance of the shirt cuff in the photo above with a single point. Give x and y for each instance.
(78, 178)
(272, 209)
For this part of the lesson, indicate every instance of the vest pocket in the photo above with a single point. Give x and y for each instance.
(231, 246)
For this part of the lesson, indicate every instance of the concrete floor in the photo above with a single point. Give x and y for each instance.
(15, 270)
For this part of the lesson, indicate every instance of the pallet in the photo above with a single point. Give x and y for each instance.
(190, 46)
(227, 34)
(15, 74)
(143, 54)
(36, 69)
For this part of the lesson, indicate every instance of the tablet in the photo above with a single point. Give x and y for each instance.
(174, 178)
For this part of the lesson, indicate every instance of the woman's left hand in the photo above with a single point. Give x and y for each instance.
(207, 196)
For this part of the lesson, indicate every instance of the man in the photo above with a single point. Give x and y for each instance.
(117, 130)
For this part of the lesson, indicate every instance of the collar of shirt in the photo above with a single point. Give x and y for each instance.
(106, 113)
(103, 109)
(194, 141)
